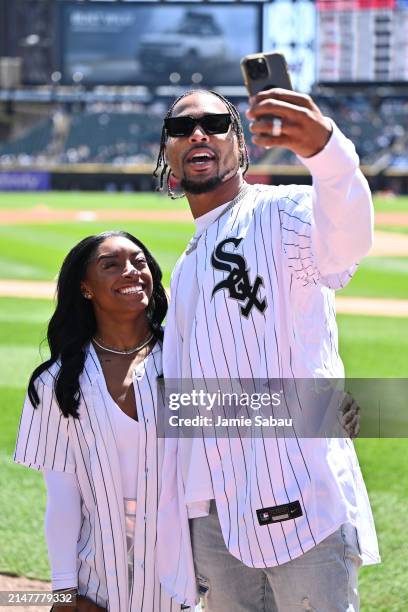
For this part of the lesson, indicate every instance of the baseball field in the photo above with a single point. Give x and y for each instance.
(36, 232)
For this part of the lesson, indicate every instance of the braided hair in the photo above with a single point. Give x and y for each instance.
(236, 126)
(73, 323)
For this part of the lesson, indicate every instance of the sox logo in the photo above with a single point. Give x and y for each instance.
(237, 282)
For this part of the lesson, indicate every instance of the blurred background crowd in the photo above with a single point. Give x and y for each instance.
(84, 84)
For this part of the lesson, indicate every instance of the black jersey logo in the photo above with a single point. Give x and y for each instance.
(237, 282)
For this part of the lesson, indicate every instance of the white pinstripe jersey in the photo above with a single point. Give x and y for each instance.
(301, 243)
(86, 446)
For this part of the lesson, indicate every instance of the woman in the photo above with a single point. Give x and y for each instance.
(89, 423)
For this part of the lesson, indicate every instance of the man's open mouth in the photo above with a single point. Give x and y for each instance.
(200, 157)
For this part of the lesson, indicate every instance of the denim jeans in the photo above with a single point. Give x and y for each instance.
(130, 519)
(324, 579)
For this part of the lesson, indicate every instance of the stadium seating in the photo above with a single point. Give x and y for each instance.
(32, 143)
(106, 137)
(113, 135)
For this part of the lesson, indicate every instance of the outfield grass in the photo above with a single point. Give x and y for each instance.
(384, 464)
(382, 277)
(36, 252)
(80, 200)
(106, 201)
(22, 497)
(373, 347)
(394, 229)
(391, 204)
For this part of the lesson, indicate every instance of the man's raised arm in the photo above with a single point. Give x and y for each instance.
(342, 223)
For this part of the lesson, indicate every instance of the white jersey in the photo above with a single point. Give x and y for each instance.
(86, 446)
(252, 298)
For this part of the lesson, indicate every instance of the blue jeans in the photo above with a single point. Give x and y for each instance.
(324, 579)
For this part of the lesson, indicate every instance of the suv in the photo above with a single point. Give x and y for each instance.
(195, 44)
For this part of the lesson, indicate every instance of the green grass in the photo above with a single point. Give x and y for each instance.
(393, 229)
(384, 464)
(76, 200)
(22, 497)
(385, 277)
(378, 347)
(104, 201)
(36, 252)
(373, 347)
(393, 204)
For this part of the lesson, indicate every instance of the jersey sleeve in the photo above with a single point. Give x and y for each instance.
(43, 440)
(62, 527)
(296, 219)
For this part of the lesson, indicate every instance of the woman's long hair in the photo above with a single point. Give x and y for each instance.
(73, 323)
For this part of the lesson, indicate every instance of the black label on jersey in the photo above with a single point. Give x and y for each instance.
(277, 514)
(237, 282)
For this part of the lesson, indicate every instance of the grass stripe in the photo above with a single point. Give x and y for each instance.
(37, 252)
(101, 201)
(90, 201)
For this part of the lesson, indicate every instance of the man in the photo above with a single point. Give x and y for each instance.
(252, 298)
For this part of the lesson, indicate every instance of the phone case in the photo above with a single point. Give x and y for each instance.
(277, 72)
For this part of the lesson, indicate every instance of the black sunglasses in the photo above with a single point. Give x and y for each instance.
(216, 123)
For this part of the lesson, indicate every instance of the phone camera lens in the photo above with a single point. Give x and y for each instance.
(257, 68)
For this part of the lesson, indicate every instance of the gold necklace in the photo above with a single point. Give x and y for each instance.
(128, 352)
(192, 245)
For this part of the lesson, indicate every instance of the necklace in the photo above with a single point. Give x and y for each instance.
(129, 352)
(192, 245)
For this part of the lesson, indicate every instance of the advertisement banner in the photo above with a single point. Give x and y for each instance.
(25, 181)
(157, 45)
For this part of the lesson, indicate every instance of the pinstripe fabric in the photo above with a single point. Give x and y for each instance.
(86, 446)
(294, 337)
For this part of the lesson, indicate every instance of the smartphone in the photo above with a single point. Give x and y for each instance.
(265, 70)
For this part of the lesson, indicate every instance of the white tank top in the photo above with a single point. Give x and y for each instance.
(126, 432)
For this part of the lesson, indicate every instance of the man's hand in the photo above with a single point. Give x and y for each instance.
(304, 130)
(350, 417)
